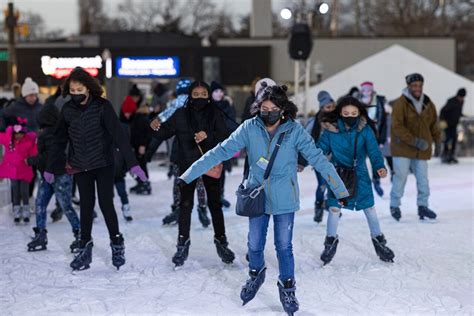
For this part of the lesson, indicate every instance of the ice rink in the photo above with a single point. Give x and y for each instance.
(432, 273)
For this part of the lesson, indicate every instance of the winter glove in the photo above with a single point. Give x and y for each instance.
(138, 172)
(49, 177)
(421, 144)
(180, 183)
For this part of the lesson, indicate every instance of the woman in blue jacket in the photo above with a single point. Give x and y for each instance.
(259, 135)
(340, 130)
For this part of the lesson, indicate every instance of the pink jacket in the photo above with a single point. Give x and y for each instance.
(14, 165)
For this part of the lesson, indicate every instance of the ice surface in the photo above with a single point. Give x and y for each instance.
(432, 273)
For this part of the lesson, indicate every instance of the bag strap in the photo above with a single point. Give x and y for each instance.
(355, 149)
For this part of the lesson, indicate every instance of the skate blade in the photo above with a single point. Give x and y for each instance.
(81, 269)
(34, 249)
(177, 268)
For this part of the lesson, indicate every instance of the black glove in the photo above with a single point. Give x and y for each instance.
(180, 183)
(421, 144)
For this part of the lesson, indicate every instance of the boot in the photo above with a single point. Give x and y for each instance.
(378, 187)
(225, 203)
(127, 212)
(252, 285)
(424, 211)
(330, 247)
(223, 251)
(396, 213)
(118, 251)
(83, 259)
(384, 253)
(318, 212)
(182, 251)
(287, 296)
(76, 244)
(39, 241)
(144, 188)
(25, 213)
(135, 187)
(57, 214)
(203, 218)
(16, 214)
(172, 218)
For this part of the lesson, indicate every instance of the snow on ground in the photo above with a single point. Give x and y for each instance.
(432, 273)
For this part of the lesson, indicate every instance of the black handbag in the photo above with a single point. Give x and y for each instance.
(348, 174)
(251, 200)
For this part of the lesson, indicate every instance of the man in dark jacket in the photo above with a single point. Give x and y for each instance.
(414, 129)
(450, 115)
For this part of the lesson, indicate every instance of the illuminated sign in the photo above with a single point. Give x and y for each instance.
(147, 66)
(61, 67)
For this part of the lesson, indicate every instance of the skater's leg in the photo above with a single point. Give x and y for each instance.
(283, 232)
(373, 221)
(420, 169)
(257, 238)
(105, 192)
(43, 196)
(16, 192)
(186, 206)
(401, 168)
(25, 194)
(121, 188)
(86, 185)
(63, 191)
(213, 189)
(201, 193)
(333, 221)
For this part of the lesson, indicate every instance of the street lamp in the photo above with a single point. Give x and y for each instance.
(323, 8)
(286, 14)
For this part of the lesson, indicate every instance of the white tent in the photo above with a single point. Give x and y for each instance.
(387, 70)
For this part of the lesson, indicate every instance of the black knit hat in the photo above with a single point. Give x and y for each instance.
(216, 86)
(134, 91)
(461, 93)
(413, 78)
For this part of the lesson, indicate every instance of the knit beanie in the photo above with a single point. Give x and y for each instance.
(268, 81)
(324, 98)
(29, 87)
(413, 78)
(182, 87)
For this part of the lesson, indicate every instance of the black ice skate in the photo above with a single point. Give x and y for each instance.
(39, 241)
(384, 253)
(330, 247)
(203, 218)
(424, 211)
(172, 218)
(17, 214)
(143, 189)
(83, 259)
(76, 244)
(252, 285)
(287, 296)
(223, 251)
(182, 251)
(396, 213)
(118, 251)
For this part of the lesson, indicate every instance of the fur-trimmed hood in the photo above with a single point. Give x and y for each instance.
(336, 126)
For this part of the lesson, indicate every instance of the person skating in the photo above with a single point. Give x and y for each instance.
(198, 127)
(274, 126)
(182, 92)
(414, 129)
(375, 105)
(326, 105)
(450, 115)
(19, 144)
(88, 116)
(61, 187)
(349, 136)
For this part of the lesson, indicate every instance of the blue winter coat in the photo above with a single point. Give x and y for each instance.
(281, 188)
(338, 141)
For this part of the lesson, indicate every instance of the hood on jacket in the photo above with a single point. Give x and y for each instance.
(334, 127)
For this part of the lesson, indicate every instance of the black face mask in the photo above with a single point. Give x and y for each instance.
(350, 120)
(78, 98)
(270, 117)
(199, 103)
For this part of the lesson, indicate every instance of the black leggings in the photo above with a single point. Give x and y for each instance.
(87, 181)
(20, 192)
(213, 190)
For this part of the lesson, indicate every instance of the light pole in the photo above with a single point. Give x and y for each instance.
(11, 19)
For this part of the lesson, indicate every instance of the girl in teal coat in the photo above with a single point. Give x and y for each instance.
(259, 135)
(340, 130)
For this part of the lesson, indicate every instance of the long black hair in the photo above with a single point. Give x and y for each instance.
(80, 75)
(333, 116)
(209, 109)
(277, 95)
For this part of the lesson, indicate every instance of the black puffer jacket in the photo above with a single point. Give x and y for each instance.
(452, 112)
(93, 131)
(47, 119)
(187, 121)
(140, 131)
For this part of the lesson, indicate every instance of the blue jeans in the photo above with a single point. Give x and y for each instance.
(401, 169)
(62, 188)
(283, 235)
(322, 185)
(370, 214)
(122, 191)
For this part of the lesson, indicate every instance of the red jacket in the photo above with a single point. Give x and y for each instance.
(14, 164)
